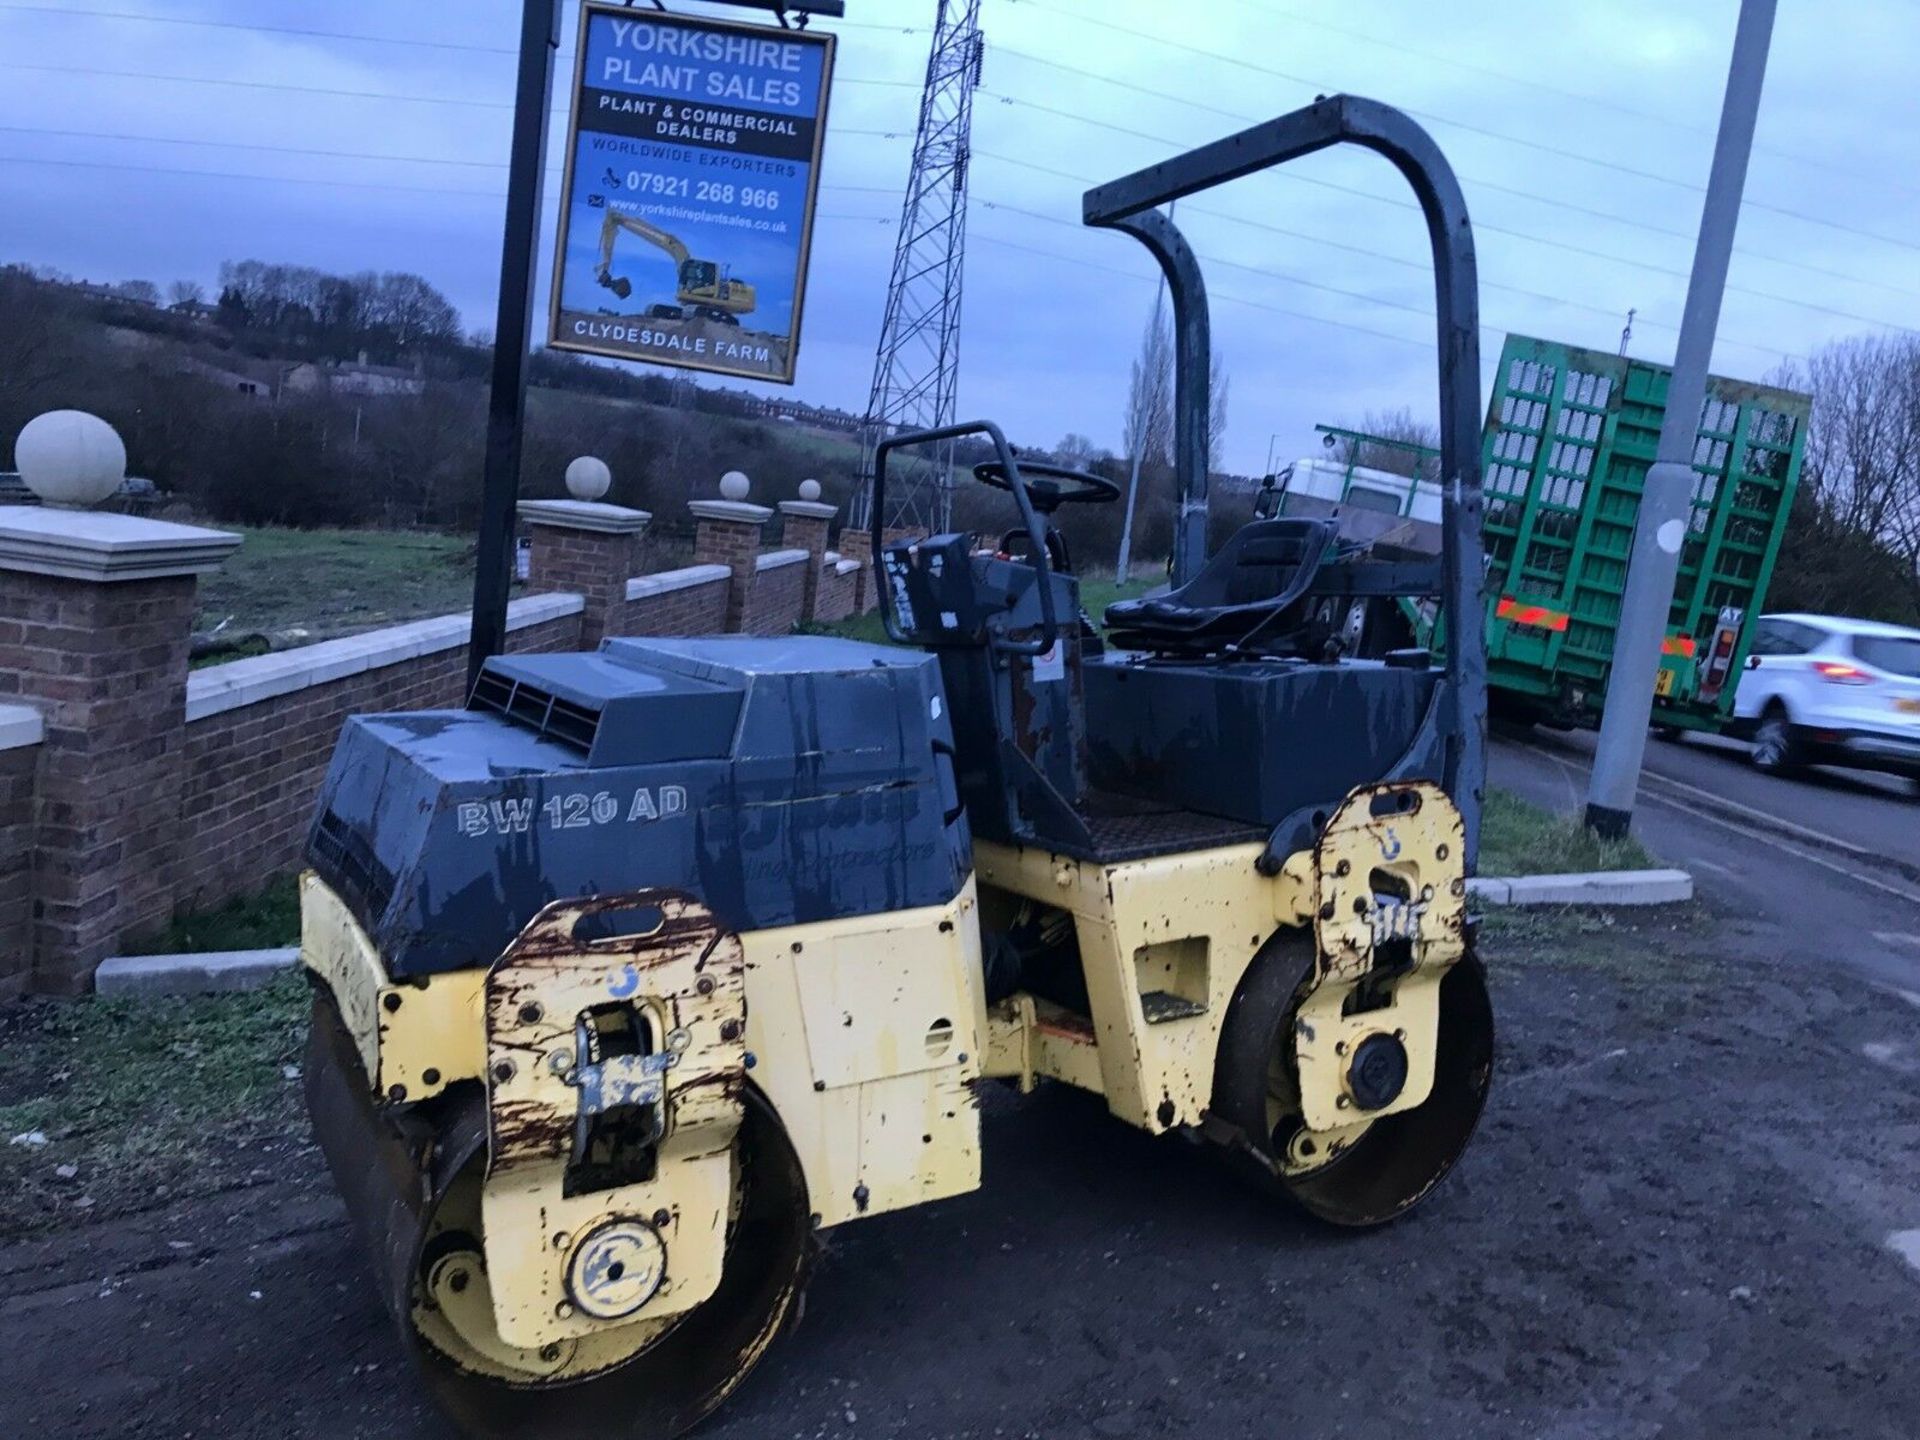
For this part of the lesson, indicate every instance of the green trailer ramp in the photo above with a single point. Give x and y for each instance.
(1570, 435)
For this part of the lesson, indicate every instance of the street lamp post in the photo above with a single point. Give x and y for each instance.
(1668, 493)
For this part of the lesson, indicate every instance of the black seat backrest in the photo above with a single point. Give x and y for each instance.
(1257, 575)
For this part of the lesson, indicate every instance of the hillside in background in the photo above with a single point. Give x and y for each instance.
(298, 399)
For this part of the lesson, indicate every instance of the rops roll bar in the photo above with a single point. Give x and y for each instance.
(1128, 204)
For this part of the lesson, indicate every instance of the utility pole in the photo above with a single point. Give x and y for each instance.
(1124, 560)
(1668, 493)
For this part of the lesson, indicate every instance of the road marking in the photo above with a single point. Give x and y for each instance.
(1717, 869)
(1912, 897)
(1897, 937)
(1884, 1053)
(1906, 1244)
(1713, 798)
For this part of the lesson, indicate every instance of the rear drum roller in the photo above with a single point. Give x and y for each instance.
(413, 1191)
(1370, 1171)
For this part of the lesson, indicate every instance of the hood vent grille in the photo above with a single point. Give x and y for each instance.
(534, 707)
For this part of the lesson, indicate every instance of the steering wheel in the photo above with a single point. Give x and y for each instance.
(1050, 486)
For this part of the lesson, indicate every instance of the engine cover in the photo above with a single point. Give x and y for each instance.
(777, 780)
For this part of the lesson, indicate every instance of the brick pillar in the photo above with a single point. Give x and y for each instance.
(585, 548)
(803, 526)
(859, 546)
(727, 532)
(95, 613)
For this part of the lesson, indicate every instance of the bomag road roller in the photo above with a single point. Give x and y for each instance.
(650, 964)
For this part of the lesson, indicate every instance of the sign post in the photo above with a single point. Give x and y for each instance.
(686, 214)
(507, 394)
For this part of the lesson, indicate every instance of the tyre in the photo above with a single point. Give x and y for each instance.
(1776, 749)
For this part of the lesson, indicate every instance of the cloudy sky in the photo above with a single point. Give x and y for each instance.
(156, 138)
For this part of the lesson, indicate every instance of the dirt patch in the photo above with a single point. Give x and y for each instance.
(1674, 1222)
(109, 1106)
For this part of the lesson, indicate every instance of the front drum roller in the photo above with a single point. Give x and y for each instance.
(1371, 1171)
(411, 1182)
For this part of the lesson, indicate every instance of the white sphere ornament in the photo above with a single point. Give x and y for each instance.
(68, 457)
(734, 485)
(810, 490)
(588, 477)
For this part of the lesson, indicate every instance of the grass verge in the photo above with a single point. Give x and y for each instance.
(334, 582)
(1517, 838)
(109, 1106)
(265, 920)
(1096, 594)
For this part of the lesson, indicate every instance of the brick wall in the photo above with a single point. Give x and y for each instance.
(692, 601)
(838, 592)
(253, 769)
(20, 730)
(776, 595)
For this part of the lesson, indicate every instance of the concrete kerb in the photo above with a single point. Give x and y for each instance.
(220, 970)
(250, 969)
(1591, 887)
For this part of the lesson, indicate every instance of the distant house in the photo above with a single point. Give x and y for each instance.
(194, 309)
(227, 378)
(357, 378)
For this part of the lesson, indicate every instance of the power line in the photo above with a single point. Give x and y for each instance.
(1560, 92)
(387, 157)
(1211, 292)
(343, 34)
(1490, 327)
(1400, 204)
(560, 111)
(1166, 43)
(68, 164)
(1422, 266)
(1494, 185)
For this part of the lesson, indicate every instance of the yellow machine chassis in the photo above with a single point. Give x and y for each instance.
(867, 1034)
(864, 1034)
(1165, 941)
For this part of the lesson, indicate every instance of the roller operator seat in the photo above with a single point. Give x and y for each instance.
(1250, 593)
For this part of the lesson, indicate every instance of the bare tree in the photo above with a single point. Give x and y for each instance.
(1397, 457)
(186, 292)
(1861, 465)
(141, 292)
(1218, 383)
(1076, 449)
(1148, 432)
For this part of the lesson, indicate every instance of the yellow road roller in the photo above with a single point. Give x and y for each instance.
(651, 964)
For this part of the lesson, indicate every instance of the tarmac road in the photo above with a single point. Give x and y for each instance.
(1690, 1211)
(1831, 857)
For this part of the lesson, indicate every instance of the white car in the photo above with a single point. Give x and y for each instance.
(1823, 689)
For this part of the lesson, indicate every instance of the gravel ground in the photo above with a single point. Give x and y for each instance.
(1675, 1221)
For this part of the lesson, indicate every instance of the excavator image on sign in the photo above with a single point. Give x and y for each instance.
(704, 289)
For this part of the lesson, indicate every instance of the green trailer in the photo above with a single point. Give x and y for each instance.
(1570, 434)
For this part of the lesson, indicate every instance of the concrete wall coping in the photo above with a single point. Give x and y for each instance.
(736, 510)
(809, 509)
(590, 515)
(100, 546)
(845, 567)
(220, 688)
(668, 581)
(778, 559)
(21, 725)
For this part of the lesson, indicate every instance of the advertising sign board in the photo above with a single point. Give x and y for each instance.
(687, 211)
